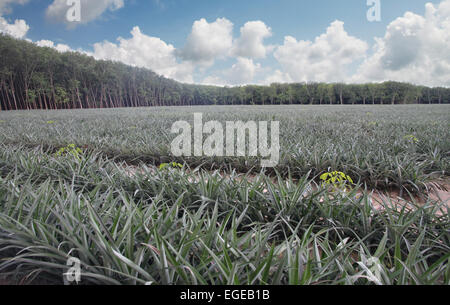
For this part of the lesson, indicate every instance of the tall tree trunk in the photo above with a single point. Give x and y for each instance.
(44, 96)
(41, 106)
(79, 99)
(7, 95)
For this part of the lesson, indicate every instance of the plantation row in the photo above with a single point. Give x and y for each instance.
(180, 226)
(33, 77)
(382, 146)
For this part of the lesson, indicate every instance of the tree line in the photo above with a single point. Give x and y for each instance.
(33, 77)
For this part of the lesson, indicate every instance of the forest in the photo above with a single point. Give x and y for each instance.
(33, 77)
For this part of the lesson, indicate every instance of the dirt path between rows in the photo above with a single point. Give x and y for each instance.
(438, 190)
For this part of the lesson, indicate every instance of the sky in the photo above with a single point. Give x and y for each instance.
(230, 42)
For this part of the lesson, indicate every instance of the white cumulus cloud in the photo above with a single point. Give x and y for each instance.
(240, 73)
(145, 51)
(18, 29)
(243, 72)
(60, 47)
(414, 49)
(208, 41)
(277, 76)
(251, 42)
(324, 59)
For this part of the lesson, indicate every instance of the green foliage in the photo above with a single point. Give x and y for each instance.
(336, 179)
(61, 96)
(70, 150)
(170, 165)
(411, 139)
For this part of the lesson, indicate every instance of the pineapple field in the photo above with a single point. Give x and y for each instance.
(359, 196)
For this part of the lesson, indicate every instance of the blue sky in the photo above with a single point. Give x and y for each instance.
(348, 44)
